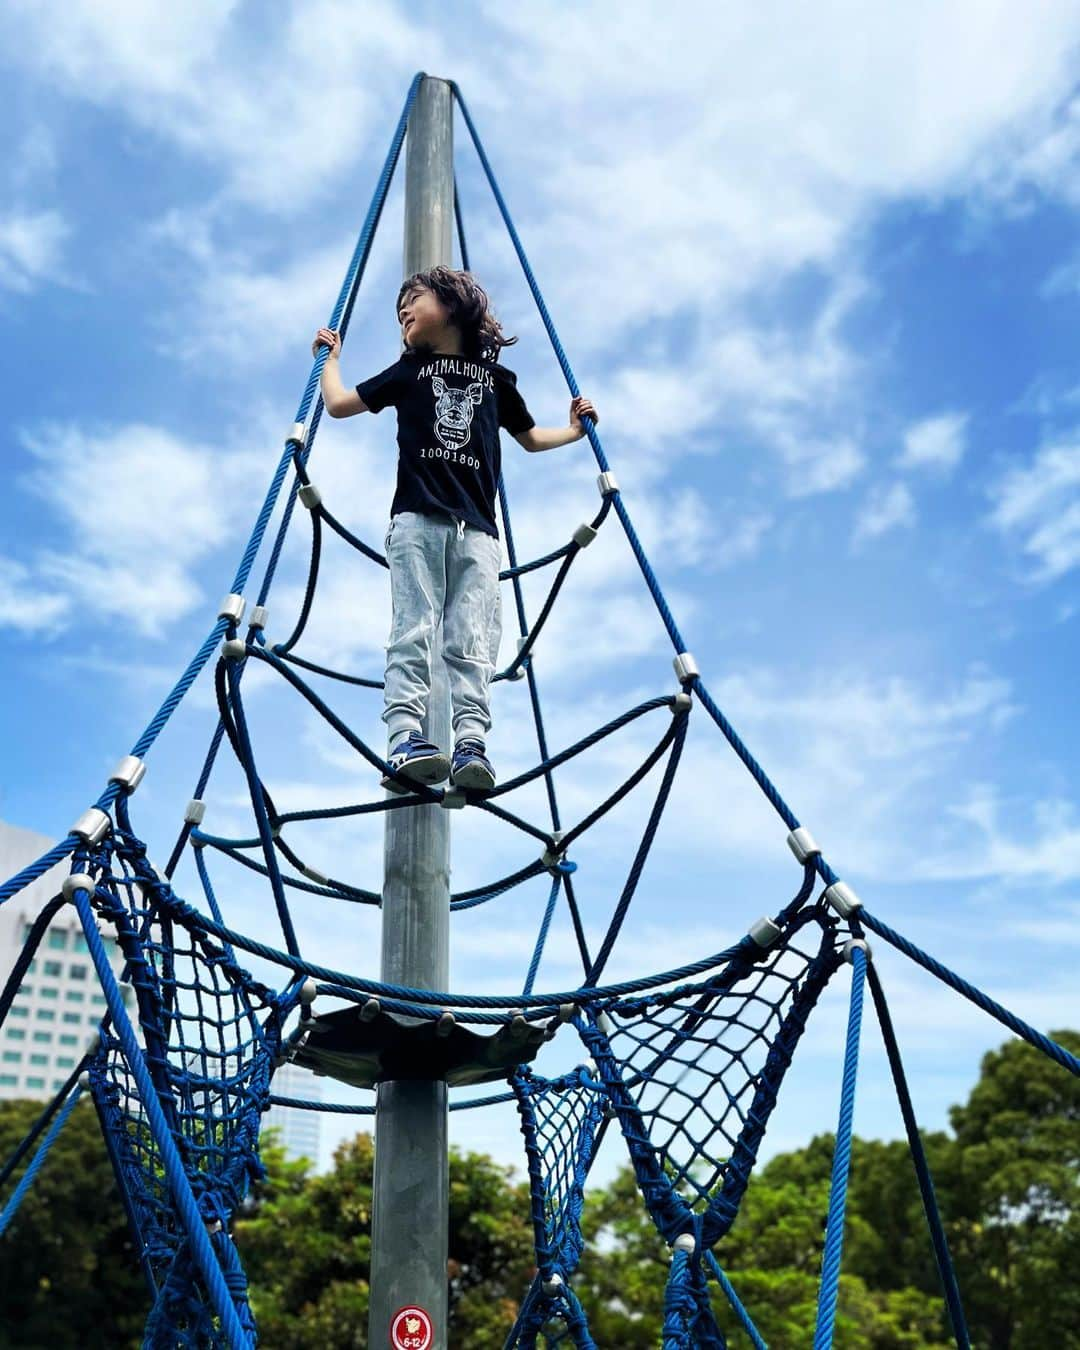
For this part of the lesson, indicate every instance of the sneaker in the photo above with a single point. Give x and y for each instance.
(471, 767)
(417, 759)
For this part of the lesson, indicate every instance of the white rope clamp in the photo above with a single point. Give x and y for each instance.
(554, 854)
(308, 992)
(681, 703)
(232, 608)
(196, 809)
(803, 844)
(313, 874)
(77, 881)
(607, 484)
(446, 1023)
(685, 667)
(764, 932)
(842, 898)
(310, 496)
(849, 950)
(685, 1242)
(234, 649)
(92, 826)
(371, 1009)
(553, 1287)
(584, 534)
(259, 616)
(298, 435)
(129, 773)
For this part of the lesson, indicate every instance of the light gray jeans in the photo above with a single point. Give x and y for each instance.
(441, 570)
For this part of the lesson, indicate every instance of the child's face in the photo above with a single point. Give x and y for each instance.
(423, 317)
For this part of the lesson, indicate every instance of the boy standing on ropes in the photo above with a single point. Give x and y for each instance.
(451, 396)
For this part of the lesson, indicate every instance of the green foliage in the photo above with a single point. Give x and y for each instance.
(1007, 1180)
(307, 1250)
(69, 1274)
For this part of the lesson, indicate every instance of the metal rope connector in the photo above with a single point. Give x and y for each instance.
(842, 898)
(764, 932)
(232, 608)
(129, 773)
(259, 616)
(584, 534)
(686, 668)
(196, 809)
(310, 496)
(77, 881)
(607, 484)
(92, 826)
(297, 436)
(519, 673)
(803, 844)
(849, 950)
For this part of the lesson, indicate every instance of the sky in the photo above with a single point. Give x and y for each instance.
(817, 267)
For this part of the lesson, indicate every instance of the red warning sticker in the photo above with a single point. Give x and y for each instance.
(411, 1329)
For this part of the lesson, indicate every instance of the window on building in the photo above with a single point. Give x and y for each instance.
(8, 1079)
(68, 1039)
(54, 969)
(74, 996)
(46, 1014)
(35, 1084)
(27, 929)
(65, 1062)
(93, 1020)
(32, 967)
(79, 945)
(43, 1037)
(73, 1018)
(77, 972)
(58, 1083)
(48, 992)
(98, 998)
(16, 1033)
(12, 1056)
(20, 1010)
(26, 989)
(39, 1059)
(58, 940)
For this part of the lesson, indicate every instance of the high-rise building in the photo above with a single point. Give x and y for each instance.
(298, 1130)
(59, 1005)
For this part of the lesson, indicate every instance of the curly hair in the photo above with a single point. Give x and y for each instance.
(482, 337)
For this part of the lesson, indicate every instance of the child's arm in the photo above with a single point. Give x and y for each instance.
(550, 438)
(337, 400)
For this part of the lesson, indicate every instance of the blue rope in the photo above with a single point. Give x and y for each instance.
(1056, 1052)
(736, 1303)
(834, 1232)
(28, 1177)
(187, 1209)
(922, 1167)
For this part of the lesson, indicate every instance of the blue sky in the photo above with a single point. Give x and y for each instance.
(818, 270)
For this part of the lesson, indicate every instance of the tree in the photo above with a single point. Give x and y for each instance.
(69, 1273)
(307, 1250)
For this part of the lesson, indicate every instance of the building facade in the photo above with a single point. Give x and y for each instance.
(59, 1006)
(300, 1132)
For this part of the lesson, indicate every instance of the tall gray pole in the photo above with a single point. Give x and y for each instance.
(411, 1207)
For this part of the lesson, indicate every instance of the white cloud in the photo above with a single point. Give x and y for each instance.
(281, 108)
(31, 248)
(135, 510)
(885, 509)
(936, 443)
(1039, 842)
(26, 606)
(1038, 506)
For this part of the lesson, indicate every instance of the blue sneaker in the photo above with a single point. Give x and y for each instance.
(417, 759)
(471, 767)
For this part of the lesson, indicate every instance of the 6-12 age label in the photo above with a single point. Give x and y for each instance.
(411, 1329)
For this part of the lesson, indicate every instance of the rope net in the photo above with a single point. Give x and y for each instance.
(686, 1064)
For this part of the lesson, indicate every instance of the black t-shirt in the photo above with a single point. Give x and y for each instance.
(450, 409)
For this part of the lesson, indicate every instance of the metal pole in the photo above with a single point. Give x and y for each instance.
(409, 1234)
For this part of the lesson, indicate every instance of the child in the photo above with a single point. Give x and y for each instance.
(451, 396)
